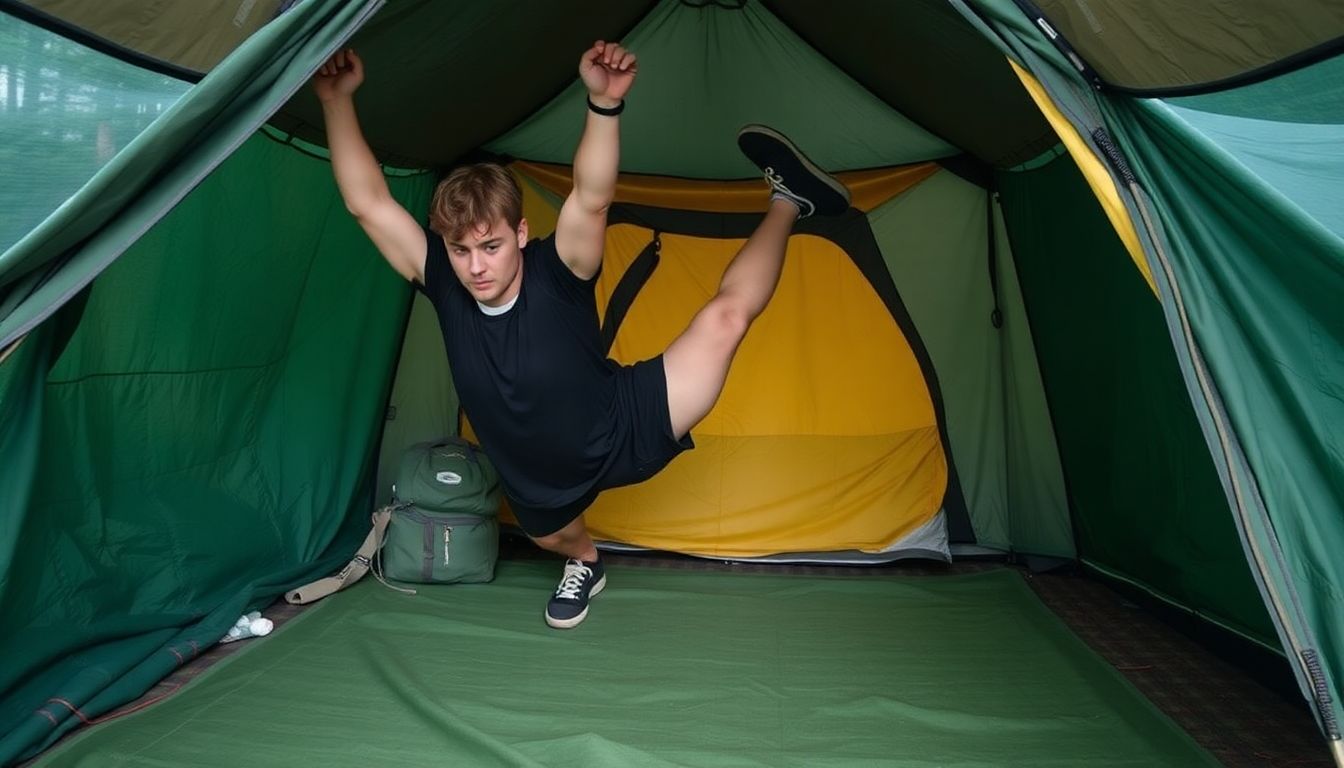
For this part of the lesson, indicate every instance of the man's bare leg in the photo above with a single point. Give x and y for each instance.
(696, 363)
(571, 541)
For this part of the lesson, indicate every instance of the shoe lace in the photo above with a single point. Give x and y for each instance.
(576, 573)
(776, 182)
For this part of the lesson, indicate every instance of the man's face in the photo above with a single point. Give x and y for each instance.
(488, 260)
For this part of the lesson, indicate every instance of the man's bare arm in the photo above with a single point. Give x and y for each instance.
(393, 231)
(580, 234)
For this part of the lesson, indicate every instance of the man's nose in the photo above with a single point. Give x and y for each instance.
(476, 264)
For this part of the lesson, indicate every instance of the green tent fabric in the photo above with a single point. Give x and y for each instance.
(221, 387)
(1243, 273)
(942, 275)
(160, 165)
(1131, 444)
(1154, 46)
(857, 671)
(777, 80)
(203, 440)
(1260, 293)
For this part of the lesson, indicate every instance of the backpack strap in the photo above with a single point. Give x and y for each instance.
(352, 572)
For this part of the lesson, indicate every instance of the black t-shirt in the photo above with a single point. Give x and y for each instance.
(534, 381)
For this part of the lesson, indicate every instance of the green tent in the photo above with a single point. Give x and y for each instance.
(1101, 243)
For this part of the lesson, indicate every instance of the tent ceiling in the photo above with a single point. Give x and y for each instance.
(506, 60)
(919, 57)
(444, 78)
(922, 58)
(1161, 45)
(705, 71)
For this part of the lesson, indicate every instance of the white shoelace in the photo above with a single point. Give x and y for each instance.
(575, 574)
(776, 182)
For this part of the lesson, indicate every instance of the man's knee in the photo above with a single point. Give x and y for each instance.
(554, 542)
(563, 540)
(726, 320)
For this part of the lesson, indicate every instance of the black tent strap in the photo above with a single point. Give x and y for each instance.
(995, 315)
(623, 296)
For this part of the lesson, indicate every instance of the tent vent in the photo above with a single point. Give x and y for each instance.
(1322, 693)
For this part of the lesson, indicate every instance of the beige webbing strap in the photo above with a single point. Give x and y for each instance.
(352, 572)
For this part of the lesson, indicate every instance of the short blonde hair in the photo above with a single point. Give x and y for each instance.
(475, 195)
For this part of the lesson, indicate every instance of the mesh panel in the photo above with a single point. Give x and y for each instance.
(65, 110)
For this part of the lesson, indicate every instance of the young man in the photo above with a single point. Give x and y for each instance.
(558, 419)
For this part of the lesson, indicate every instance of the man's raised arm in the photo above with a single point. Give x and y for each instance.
(608, 71)
(395, 233)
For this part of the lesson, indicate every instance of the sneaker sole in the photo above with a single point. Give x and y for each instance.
(574, 622)
(812, 168)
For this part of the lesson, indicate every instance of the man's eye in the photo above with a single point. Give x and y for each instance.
(491, 248)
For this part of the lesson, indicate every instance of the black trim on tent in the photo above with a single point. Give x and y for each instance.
(851, 233)
(101, 44)
(1300, 60)
(1305, 58)
(623, 295)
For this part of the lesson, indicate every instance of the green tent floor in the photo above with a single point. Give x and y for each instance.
(687, 662)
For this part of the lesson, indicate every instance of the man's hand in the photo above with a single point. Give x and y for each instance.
(339, 77)
(608, 70)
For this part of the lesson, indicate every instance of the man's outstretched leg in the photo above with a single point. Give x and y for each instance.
(697, 361)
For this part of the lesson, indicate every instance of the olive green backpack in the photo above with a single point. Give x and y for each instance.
(442, 526)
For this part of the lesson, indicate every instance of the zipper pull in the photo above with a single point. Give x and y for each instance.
(447, 540)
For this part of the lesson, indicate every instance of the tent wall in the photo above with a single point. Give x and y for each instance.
(204, 439)
(424, 403)
(1255, 282)
(1145, 496)
(934, 240)
(1248, 282)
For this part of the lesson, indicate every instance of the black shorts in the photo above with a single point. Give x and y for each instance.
(642, 446)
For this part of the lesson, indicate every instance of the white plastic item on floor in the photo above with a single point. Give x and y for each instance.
(248, 625)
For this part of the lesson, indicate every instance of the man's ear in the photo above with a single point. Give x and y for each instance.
(522, 233)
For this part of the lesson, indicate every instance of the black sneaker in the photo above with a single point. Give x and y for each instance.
(791, 174)
(581, 583)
